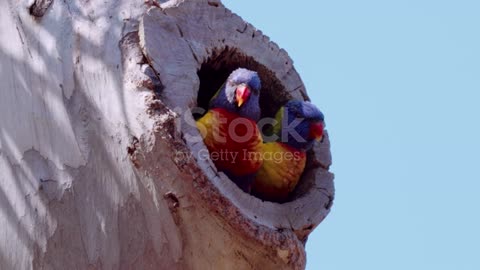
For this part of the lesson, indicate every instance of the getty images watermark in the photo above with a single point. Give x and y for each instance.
(247, 129)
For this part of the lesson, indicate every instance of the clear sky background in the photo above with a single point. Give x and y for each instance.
(399, 83)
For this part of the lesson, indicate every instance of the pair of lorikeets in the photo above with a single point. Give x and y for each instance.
(269, 166)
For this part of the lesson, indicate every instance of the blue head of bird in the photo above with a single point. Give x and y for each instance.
(240, 94)
(301, 124)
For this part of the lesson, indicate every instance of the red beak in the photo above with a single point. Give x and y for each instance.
(242, 94)
(316, 131)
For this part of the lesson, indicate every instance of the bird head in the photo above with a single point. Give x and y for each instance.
(300, 124)
(240, 94)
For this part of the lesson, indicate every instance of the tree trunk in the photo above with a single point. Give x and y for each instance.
(97, 166)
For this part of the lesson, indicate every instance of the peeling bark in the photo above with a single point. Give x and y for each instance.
(39, 7)
(94, 106)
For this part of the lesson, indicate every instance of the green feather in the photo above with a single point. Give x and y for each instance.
(217, 93)
(277, 128)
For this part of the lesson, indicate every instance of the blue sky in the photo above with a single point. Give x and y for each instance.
(399, 83)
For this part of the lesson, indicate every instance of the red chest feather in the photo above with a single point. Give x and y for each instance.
(234, 142)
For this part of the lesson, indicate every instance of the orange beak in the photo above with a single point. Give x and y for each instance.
(316, 131)
(242, 94)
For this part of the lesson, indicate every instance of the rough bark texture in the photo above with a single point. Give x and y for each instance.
(96, 169)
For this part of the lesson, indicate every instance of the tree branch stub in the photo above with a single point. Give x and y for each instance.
(193, 46)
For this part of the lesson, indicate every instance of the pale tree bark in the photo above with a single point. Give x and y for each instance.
(97, 170)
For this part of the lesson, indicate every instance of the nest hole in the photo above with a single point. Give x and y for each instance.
(214, 72)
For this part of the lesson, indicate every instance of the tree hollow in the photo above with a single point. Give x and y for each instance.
(192, 53)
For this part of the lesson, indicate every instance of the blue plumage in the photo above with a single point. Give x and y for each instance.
(297, 120)
(226, 96)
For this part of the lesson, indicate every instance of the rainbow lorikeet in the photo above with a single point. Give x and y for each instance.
(299, 124)
(229, 128)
